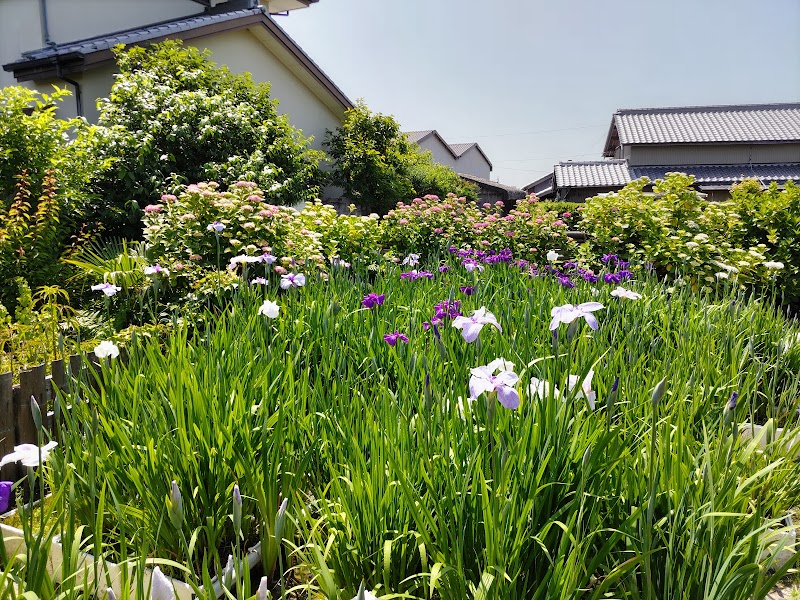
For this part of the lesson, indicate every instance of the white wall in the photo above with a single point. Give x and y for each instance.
(71, 20)
(20, 31)
(241, 51)
(441, 153)
(472, 162)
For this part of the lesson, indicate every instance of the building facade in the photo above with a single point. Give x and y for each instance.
(69, 43)
(719, 145)
(462, 158)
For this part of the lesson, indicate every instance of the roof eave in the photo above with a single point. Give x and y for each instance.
(76, 62)
(609, 149)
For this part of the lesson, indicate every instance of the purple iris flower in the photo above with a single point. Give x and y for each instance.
(373, 300)
(612, 278)
(732, 402)
(609, 258)
(392, 338)
(566, 281)
(467, 290)
(444, 269)
(414, 275)
(570, 265)
(590, 277)
(624, 274)
(5, 495)
(447, 310)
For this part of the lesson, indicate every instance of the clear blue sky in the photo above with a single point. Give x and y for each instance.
(506, 73)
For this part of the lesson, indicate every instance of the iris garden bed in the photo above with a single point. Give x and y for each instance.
(600, 456)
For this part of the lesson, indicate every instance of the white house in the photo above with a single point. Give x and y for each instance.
(68, 43)
(462, 158)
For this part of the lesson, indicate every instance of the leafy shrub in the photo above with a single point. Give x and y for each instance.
(33, 140)
(681, 234)
(569, 212)
(173, 115)
(179, 237)
(377, 166)
(30, 240)
(45, 164)
(771, 217)
(427, 225)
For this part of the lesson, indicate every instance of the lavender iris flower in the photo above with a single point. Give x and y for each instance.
(109, 289)
(569, 312)
(292, 280)
(467, 290)
(471, 326)
(483, 379)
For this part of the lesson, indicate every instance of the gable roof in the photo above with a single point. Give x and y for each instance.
(746, 123)
(594, 173)
(72, 57)
(617, 173)
(457, 150)
(514, 193)
(417, 136)
(460, 149)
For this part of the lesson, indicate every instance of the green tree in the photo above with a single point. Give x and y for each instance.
(377, 166)
(175, 117)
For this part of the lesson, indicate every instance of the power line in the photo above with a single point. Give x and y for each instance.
(527, 132)
(541, 158)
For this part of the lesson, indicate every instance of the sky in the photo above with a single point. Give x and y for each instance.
(535, 82)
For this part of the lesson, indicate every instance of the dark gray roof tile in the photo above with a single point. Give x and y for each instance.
(600, 173)
(705, 124)
(140, 34)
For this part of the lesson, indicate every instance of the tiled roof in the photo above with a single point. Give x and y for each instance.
(704, 124)
(602, 173)
(138, 35)
(459, 149)
(416, 136)
(514, 193)
(724, 175)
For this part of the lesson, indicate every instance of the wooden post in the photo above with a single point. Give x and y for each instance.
(58, 382)
(31, 385)
(7, 433)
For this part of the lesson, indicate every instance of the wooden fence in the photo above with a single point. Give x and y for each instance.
(16, 417)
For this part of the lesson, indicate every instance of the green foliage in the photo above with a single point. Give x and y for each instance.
(431, 178)
(393, 477)
(45, 164)
(377, 166)
(33, 140)
(771, 217)
(173, 115)
(431, 225)
(695, 241)
(31, 238)
(178, 235)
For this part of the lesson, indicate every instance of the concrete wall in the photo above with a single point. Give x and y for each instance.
(472, 162)
(714, 154)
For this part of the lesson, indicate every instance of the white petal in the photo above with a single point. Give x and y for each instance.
(161, 587)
